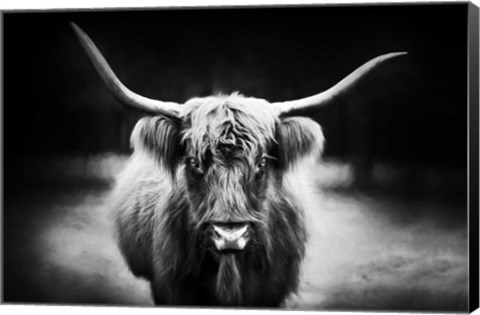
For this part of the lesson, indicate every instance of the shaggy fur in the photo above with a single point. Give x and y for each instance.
(223, 160)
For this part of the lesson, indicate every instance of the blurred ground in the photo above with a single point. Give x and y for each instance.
(366, 251)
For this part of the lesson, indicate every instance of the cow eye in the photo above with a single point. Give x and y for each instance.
(194, 164)
(262, 163)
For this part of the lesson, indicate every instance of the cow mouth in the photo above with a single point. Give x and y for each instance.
(229, 251)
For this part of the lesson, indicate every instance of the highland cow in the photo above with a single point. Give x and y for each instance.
(203, 210)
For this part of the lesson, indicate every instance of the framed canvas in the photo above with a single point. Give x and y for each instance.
(300, 157)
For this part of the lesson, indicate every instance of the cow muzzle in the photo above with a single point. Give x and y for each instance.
(230, 237)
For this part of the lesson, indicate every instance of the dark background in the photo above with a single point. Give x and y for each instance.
(411, 112)
(393, 238)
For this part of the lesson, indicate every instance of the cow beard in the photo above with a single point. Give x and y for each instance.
(228, 287)
(235, 273)
(231, 274)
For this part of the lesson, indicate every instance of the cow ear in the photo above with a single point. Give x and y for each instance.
(159, 136)
(298, 138)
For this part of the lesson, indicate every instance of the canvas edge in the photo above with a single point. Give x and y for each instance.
(473, 129)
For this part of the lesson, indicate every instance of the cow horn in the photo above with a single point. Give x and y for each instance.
(120, 91)
(336, 90)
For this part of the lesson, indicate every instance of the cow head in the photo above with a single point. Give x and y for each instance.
(230, 151)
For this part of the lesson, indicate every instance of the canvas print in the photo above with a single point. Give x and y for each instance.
(299, 157)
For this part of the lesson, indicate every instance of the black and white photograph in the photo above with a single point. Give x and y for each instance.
(297, 157)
